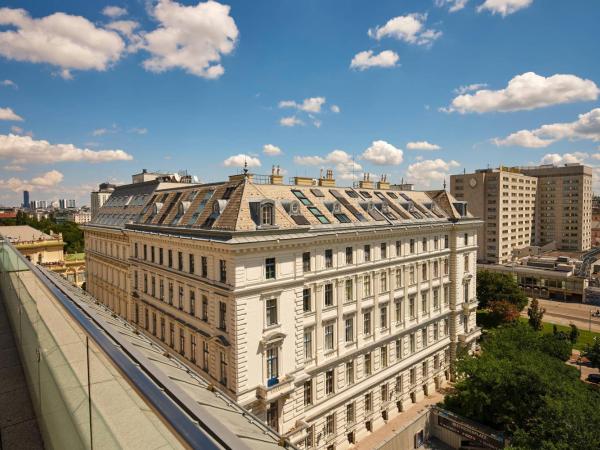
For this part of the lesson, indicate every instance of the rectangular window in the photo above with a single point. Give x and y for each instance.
(436, 269)
(368, 402)
(349, 254)
(350, 413)
(424, 272)
(272, 363)
(398, 349)
(170, 257)
(349, 291)
(180, 261)
(135, 279)
(271, 306)
(205, 308)
(367, 323)
(161, 290)
(466, 258)
(170, 293)
(367, 285)
(192, 303)
(152, 253)
(135, 250)
(223, 370)
(349, 329)
(413, 343)
(398, 277)
(307, 344)
(436, 298)
(270, 268)
(306, 262)
(383, 250)
(446, 241)
(161, 260)
(435, 332)
(367, 252)
(191, 263)
(436, 243)
(424, 302)
(308, 393)
(180, 298)
(222, 271)
(328, 258)
(329, 382)
(193, 348)
(383, 356)
(398, 248)
(330, 425)
(205, 356)
(328, 294)
(368, 366)
(466, 239)
(383, 281)
(350, 372)
(411, 274)
(398, 310)
(446, 267)
(424, 336)
(424, 245)
(413, 376)
(223, 316)
(172, 335)
(384, 392)
(181, 341)
(306, 300)
(204, 266)
(412, 246)
(383, 322)
(329, 341)
(399, 387)
(145, 252)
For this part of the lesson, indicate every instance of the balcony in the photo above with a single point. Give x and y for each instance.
(275, 388)
(470, 336)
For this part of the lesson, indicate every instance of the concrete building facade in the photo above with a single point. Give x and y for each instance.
(326, 311)
(505, 200)
(99, 197)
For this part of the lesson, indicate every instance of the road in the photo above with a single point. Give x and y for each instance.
(564, 313)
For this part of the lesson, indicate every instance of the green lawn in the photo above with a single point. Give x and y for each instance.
(585, 336)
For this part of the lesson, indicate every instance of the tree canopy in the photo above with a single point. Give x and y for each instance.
(521, 385)
(493, 286)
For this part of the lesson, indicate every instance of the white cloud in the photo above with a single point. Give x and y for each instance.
(430, 173)
(454, 5)
(310, 105)
(14, 168)
(527, 91)
(9, 114)
(192, 38)
(365, 60)
(503, 7)
(271, 150)
(409, 28)
(469, 88)
(127, 28)
(16, 130)
(9, 83)
(335, 109)
(565, 158)
(41, 182)
(139, 130)
(343, 163)
(586, 127)
(422, 145)
(26, 150)
(383, 153)
(241, 160)
(62, 40)
(114, 11)
(290, 121)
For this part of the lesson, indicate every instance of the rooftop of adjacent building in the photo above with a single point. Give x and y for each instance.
(24, 233)
(535, 171)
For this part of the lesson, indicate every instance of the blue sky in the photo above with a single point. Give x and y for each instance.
(93, 94)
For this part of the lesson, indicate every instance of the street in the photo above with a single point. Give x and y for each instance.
(564, 313)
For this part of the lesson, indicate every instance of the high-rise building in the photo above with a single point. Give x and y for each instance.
(25, 199)
(33, 204)
(563, 211)
(70, 203)
(99, 197)
(505, 200)
(324, 310)
(62, 203)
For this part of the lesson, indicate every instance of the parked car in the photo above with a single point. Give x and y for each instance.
(594, 378)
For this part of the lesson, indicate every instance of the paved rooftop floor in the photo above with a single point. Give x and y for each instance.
(18, 425)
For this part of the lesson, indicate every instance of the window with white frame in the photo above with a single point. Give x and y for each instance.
(271, 311)
(328, 332)
(349, 329)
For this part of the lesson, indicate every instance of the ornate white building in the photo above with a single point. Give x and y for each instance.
(325, 310)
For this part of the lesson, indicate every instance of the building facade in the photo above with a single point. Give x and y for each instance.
(99, 197)
(563, 211)
(505, 200)
(324, 310)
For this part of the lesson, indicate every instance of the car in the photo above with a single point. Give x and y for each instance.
(594, 378)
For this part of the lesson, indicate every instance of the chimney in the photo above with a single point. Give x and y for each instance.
(366, 182)
(328, 181)
(383, 183)
(276, 177)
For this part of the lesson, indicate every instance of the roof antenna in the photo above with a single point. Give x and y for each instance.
(444, 183)
(245, 166)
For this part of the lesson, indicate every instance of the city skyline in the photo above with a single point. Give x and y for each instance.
(416, 90)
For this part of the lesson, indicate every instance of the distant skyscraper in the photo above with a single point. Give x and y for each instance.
(99, 197)
(25, 199)
(71, 204)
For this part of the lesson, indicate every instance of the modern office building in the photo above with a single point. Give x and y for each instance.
(324, 310)
(563, 206)
(505, 199)
(62, 203)
(99, 197)
(71, 203)
(25, 199)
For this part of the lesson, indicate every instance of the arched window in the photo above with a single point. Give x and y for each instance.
(266, 214)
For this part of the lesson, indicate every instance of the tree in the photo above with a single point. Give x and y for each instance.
(574, 333)
(592, 352)
(493, 286)
(502, 311)
(536, 314)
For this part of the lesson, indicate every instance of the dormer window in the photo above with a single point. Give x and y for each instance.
(267, 214)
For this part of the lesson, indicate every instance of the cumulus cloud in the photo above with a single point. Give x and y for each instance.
(192, 38)
(503, 7)
(565, 158)
(290, 121)
(343, 163)
(365, 60)
(241, 160)
(527, 91)
(383, 153)
(453, 5)
(114, 11)
(586, 127)
(26, 150)
(9, 114)
(271, 150)
(62, 40)
(41, 182)
(422, 145)
(430, 173)
(469, 88)
(409, 28)
(335, 109)
(310, 105)
(9, 83)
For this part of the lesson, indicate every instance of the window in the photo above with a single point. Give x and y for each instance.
(424, 244)
(466, 291)
(170, 293)
(383, 356)
(412, 246)
(436, 269)
(367, 285)
(135, 250)
(270, 268)
(160, 256)
(398, 310)
(273, 415)
(192, 303)
(318, 214)
(266, 214)
(368, 365)
(350, 413)
(446, 327)
(307, 344)
(349, 254)
(308, 393)
(383, 316)
(300, 196)
(413, 343)
(204, 266)
(172, 335)
(309, 440)
(424, 369)
(223, 316)
(191, 263)
(383, 281)
(424, 302)
(367, 323)
(145, 253)
(179, 261)
(424, 272)
(436, 333)
(466, 260)
(446, 267)
(398, 349)
(271, 306)
(398, 248)
(383, 250)
(145, 283)
(161, 289)
(349, 291)
(413, 376)
(329, 382)
(446, 295)
(330, 424)
(205, 356)
(384, 392)
(306, 300)
(181, 341)
(398, 277)
(223, 271)
(135, 279)
(152, 253)
(180, 297)
(328, 331)
(272, 364)
(424, 336)
(446, 241)
(436, 298)
(411, 274)
(466, 239)
(350, 372)
(436, 243)
(162, 329)
(328, 294)
(349, 328)
(306, 262)
(170, 257)
(368, 402)
(367, 252)
(328, 258)
(205, 308)
(193, 348)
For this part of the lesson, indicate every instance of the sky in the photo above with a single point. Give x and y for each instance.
(95, 91)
